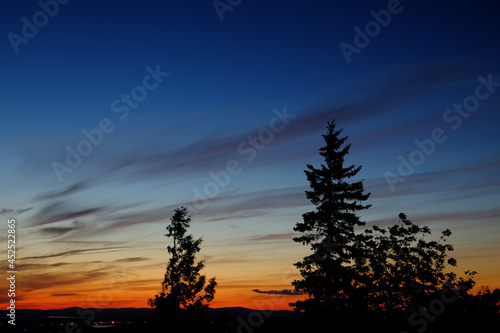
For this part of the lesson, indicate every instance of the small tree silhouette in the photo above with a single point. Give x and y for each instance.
(185, 292)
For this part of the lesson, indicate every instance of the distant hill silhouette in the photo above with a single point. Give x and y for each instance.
(32, 320)
(133, 314)
(119, 314)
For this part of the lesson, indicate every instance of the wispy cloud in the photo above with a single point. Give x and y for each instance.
(491, 216)
(60, 211)
(36, 281)
(272, 237)
(133, 259)
(62, 193)
(379, 94)
(471, 215)
(38, 266)
(11, 211)
(127, 219)
(76, 252)
(58, 231)
(253, 204)
(468, 177)
(277, 292)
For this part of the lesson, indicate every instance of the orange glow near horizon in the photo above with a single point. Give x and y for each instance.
(107, 286)
(128, 294)
(108, 274)
(139, 299)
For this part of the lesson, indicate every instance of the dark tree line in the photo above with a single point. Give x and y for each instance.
(376, 279)
(398, 273)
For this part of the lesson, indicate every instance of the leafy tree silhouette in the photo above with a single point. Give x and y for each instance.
(185, 292)
(406, 271)
(330, 275)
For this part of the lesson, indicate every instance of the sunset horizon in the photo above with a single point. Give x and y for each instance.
(115, 116)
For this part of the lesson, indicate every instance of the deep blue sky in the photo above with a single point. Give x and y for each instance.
(225, 79)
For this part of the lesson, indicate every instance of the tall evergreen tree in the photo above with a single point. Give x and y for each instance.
(332, 276)
(185, 292)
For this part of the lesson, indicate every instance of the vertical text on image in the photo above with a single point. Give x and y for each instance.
(11, 272)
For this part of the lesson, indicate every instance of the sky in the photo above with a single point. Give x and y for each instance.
(113, 114)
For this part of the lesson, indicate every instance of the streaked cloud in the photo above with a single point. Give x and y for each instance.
(132, 259)
(277, 292)
(62, 193)
(253, 204)
(472, 176)
(60, 211)
(58, 231)
(76, 252)
(11, 211)
(272, 237)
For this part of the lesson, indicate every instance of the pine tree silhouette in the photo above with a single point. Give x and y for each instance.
(185, 292)
(331, 272)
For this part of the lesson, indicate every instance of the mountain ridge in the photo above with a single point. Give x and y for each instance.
(130, 314)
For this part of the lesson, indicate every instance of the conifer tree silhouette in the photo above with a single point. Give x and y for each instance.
(185, 292)
(330, 275)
